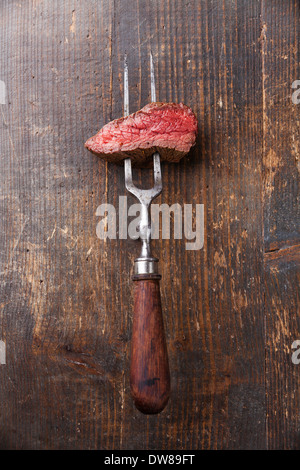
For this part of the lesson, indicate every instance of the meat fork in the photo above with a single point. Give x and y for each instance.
(149, 369)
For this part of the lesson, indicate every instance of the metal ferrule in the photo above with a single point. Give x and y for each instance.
(145, 266)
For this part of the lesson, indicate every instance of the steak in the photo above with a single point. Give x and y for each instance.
(167, 128)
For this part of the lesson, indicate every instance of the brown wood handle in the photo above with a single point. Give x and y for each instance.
(149, 372)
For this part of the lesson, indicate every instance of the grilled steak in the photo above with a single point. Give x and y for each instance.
(167, 128)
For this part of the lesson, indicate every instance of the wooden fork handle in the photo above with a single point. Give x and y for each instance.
(149, 371)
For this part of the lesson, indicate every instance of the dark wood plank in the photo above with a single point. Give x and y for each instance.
(283, 329)
(56, 309)
(216, 338)
(281, 59)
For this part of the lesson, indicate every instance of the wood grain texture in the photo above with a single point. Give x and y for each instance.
(283, 329)
(66, 297)
(281, 59)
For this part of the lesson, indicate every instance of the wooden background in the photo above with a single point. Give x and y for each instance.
(230, 309)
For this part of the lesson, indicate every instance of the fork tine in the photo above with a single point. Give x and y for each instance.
(128, 180)
(138, 192)
(128, 175)
(152, 77)
(128, 172)
(141, 194)
(126, 88)
(157, 171)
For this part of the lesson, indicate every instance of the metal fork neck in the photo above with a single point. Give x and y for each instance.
(145, 263)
